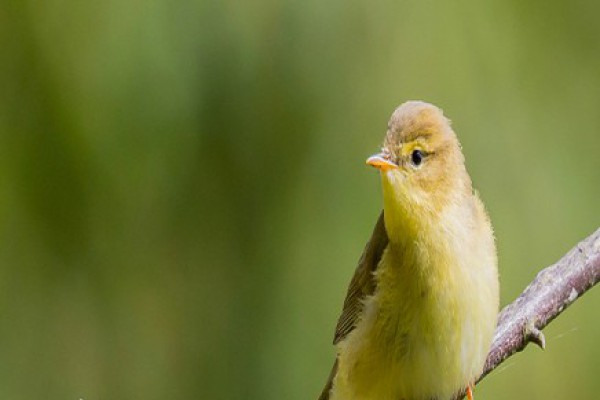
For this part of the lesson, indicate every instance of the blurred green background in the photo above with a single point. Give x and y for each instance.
(183, 195)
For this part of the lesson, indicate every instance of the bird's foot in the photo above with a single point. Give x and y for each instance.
(470, 392)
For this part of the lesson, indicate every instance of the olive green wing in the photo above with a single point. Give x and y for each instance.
(361, 286)
(363, 282)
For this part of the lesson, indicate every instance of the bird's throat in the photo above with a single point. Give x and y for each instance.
(404, 218)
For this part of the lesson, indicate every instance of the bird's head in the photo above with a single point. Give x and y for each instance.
(421, 164)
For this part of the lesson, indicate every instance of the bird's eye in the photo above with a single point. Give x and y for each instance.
(417, 157)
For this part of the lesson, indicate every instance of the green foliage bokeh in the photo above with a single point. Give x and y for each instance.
(183, 195)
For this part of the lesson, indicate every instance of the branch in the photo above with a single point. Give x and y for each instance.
(551, 292)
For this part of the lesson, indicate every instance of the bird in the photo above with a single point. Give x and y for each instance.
(421, 309)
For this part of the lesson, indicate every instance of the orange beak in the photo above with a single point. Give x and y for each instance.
(380, 162)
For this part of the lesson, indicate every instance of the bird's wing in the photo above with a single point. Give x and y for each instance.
(361, 286)
(363, 283)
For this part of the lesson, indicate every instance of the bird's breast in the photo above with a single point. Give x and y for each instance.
(427, 329)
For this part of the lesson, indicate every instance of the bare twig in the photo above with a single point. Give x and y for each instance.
(551, 292)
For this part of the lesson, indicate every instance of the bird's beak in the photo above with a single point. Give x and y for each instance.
(381, 162)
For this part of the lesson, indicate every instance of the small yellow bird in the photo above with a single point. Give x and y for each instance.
(421, 309)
